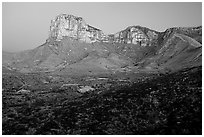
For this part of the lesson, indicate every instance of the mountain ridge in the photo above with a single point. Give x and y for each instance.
(71, 40)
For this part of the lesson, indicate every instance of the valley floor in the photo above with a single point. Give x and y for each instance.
(141, 104)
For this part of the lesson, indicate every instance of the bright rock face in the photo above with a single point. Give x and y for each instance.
(75, 27)
(134, 35)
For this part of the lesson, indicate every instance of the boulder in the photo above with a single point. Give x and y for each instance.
(84, 89)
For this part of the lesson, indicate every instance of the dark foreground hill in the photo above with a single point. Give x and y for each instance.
(168, 104)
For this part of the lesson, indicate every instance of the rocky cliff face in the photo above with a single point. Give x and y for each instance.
(134, 35)
(74, 27)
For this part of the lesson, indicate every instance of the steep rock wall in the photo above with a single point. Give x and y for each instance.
(74, 27)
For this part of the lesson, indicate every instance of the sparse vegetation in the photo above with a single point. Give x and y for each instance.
(166, 104)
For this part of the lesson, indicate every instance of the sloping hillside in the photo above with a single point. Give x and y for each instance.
(179, 51)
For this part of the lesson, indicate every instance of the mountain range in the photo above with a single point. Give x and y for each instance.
(73, 46)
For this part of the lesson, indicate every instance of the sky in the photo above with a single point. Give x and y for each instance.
(26, 25)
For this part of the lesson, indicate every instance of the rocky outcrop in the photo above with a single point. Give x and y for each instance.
(134, 35)
(74, 27)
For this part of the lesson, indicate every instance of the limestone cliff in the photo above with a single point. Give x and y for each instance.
(74, 27)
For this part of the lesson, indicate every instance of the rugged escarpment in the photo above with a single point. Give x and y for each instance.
(65, 25)
(72, 43)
